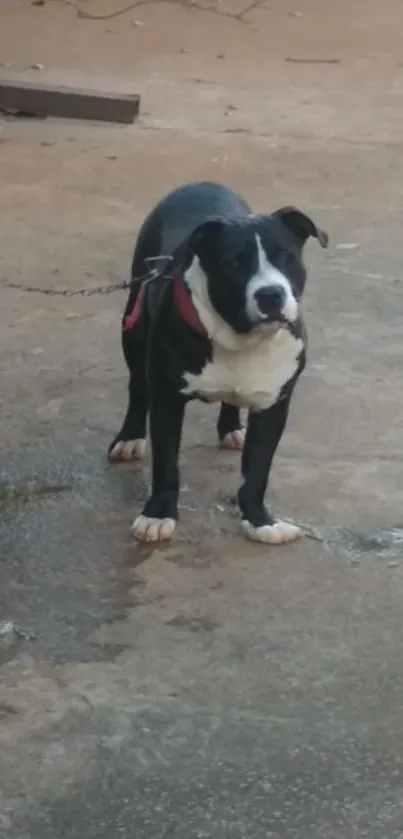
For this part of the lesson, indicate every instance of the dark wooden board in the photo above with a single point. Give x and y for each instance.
(68, 102)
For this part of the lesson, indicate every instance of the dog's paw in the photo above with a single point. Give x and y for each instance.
(126, 450)
(272, 534)
(234, 440)
(146, 529)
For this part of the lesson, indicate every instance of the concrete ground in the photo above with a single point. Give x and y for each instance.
(210, 688)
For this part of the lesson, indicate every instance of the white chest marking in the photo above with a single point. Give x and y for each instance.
(251, 377)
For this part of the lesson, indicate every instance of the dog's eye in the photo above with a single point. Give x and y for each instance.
(233, 264)
(285, 261)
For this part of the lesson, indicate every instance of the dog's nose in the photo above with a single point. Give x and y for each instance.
(270, 299)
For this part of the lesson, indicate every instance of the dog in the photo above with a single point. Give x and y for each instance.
(217, 318)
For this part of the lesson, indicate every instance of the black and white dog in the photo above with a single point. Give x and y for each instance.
(220, 322)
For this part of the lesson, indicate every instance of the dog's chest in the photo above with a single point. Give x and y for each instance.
(251, 377)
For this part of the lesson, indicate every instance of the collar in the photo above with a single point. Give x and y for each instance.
(182, 301)
(184, 304)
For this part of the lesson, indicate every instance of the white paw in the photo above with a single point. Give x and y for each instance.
(234, 440)
(152, 530)
(128, 450)
(272, 534)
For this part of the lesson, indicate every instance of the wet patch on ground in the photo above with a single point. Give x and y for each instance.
(357, 546)
(387, 544)
(194, 624)
(68, 563)
(64, 548)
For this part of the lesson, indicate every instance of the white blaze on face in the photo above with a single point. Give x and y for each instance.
(266, 276)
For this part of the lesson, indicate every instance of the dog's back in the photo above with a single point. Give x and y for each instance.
(175, 217)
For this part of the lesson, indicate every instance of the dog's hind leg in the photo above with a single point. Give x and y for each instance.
(130, 443)
(231, 434)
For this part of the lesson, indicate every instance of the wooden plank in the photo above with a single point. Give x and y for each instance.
(68, 102)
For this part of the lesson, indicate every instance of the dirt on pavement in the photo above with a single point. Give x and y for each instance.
(210, 687)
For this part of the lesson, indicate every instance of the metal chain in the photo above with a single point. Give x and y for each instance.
(88, 292)
(63, 292)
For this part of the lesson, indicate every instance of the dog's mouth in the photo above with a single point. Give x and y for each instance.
(270, 322)
(262, 323)
(273, 317)
(265, 326)
(270, 327)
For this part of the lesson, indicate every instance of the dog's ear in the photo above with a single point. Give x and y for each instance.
(206, 234)
(301, 226)
(201, 242)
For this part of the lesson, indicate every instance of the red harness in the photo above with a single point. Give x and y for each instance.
(182, 301)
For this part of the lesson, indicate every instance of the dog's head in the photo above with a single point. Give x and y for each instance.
(251, 269)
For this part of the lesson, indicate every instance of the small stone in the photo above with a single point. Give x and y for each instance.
(138, 23)
(6, 628)
(392, 564)
(5, 822)
(36, 67)
(347, 246)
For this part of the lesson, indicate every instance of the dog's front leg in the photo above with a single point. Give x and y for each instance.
(158, 519)
(263, 435)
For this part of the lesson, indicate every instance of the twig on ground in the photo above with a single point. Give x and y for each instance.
(313, 60)
(190, 4)
(214, 10)
(129, 8)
